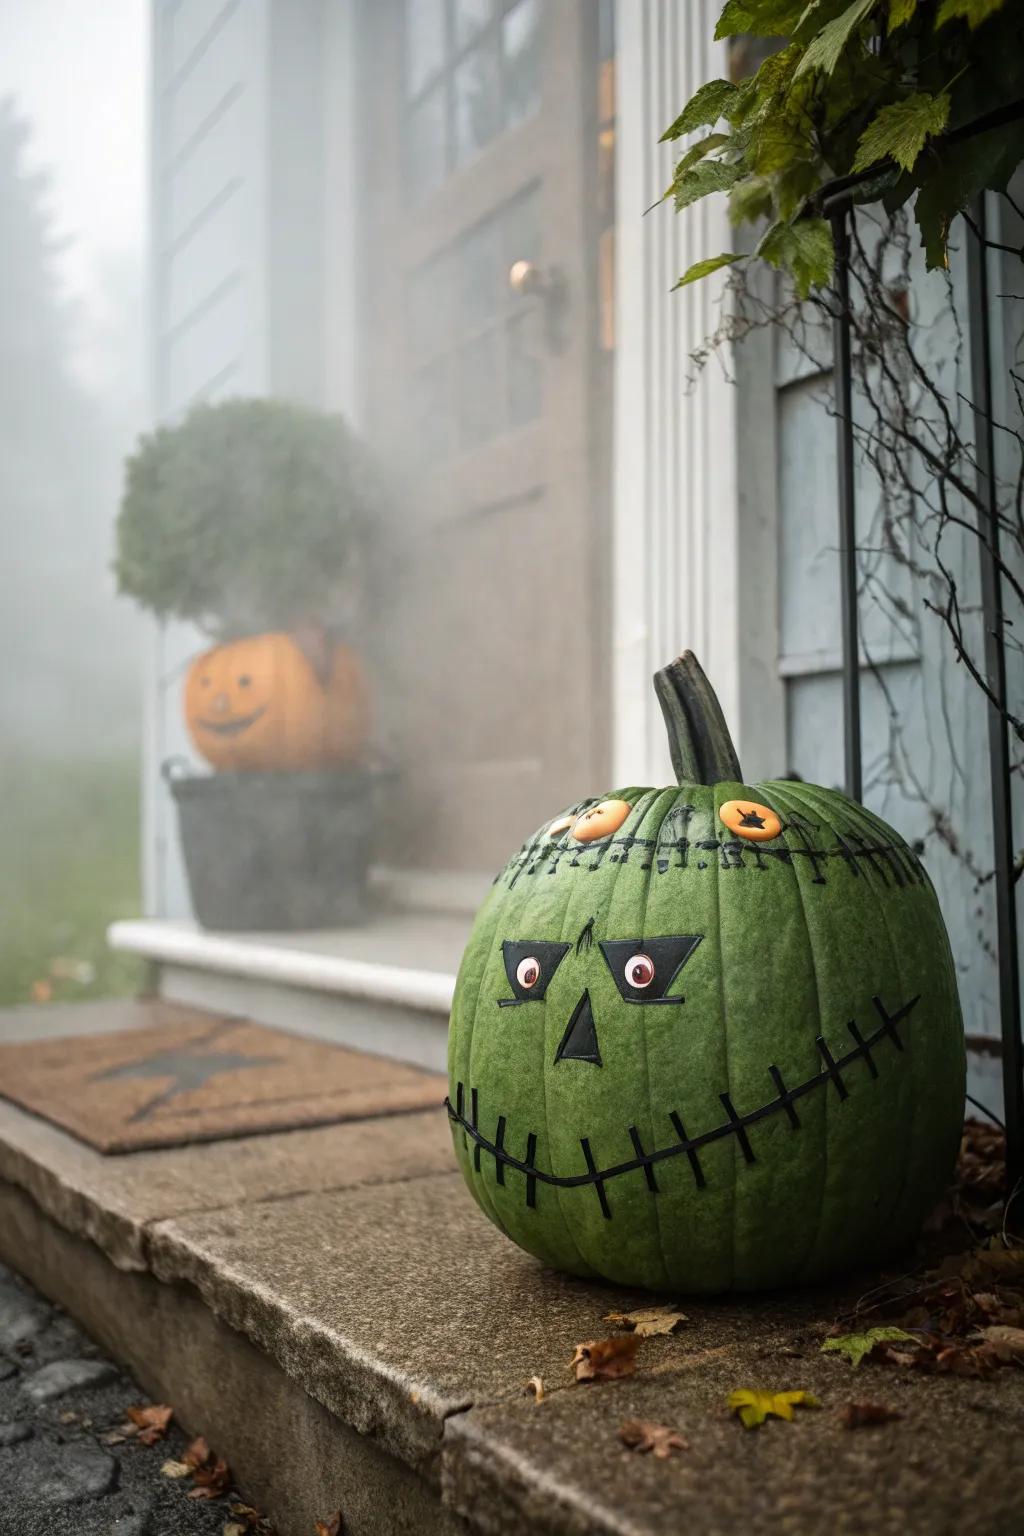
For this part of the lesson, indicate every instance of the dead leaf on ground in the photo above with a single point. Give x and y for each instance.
(332, 1526)
(197, 1453)
(649, 1321)
(1006, 1344)
(859, 1415)
(855, 1346)
(235, 1528)
(754, 1407)
(536, 1386)
(175, 1469)
(643, 1435)
(210, 1481)
(151, 1422)
(605, 1359)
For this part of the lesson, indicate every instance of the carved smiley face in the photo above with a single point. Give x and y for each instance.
(716, 1047)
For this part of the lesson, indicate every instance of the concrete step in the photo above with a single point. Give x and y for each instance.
(332, 1311)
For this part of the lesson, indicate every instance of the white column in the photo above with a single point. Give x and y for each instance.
(675, 502)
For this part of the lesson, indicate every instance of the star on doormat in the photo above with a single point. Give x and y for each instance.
(189, 1068)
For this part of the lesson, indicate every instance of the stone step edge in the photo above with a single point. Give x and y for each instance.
(170, 943)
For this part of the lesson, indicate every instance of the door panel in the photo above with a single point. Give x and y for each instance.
(481, 154)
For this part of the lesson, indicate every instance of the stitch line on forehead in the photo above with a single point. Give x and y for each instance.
(735, 1125)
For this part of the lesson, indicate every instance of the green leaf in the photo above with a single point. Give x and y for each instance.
(705, 268)
(750, 199)
(974, 12)
(704, 147)
(900, 12)
(761, 18)
(703, 109)
(804, 250)
(856, 1345)
(899, 132)
(699, 180)
(824, 51)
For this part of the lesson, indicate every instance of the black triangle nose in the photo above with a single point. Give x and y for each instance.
(579, 1043)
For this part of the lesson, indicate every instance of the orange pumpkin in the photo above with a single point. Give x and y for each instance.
(271, 704)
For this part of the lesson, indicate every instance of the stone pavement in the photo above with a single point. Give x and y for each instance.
(58, 1400)
(331, 1309)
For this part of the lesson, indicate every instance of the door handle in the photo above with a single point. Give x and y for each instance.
(528, 280)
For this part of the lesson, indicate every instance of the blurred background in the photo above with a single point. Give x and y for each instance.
(74, 103)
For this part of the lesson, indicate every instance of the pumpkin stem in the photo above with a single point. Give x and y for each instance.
(698, 737)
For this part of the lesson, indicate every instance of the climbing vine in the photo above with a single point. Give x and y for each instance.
(906, 101)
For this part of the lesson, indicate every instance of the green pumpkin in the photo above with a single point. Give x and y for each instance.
(708, 1038)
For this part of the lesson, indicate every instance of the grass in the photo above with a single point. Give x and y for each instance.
(69, 865)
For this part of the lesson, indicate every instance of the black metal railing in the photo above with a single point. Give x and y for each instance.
(837, 203)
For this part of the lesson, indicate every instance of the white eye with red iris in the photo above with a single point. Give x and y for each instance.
(528, 972)
(639, 972)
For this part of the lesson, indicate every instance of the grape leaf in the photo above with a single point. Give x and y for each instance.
(754, 1407)
(803, 249)
(761, 18)
(703, 109)
(899, 132)
(700, 149)
(693, 275)
(900, 12)
(825, 50)
(974, 12)
(856, 1345)
(699, 180)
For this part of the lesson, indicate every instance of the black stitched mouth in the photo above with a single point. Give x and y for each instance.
(232, 727)
(734, 1125)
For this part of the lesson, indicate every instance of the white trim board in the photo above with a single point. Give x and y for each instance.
(675, 582)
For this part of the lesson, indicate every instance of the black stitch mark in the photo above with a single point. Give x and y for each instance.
(738, 1126)
(459, 1105)
(499, 1148)
(695, 1167)
(735, 1125)
(869, 1060)
(527, 1168)
(586, 937)
(889, 1024)
(476, 1144)
(784, 1099)
(831, 1067)
(598, 1182)
(638, 1148)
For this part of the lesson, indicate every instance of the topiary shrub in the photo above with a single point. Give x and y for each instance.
(248, 515)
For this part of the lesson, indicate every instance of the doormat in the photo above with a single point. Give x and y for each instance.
(203, 1078)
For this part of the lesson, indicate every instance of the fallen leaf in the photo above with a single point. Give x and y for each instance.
(233, 1528)
(211, 1480)
(175, 1469)
(114, 1437)
(151, 1422)
(649, 1321)
(332, 1526)
(604, 1359)
(754, 1407)
(1007, 1344)
(69, 1418)
(197, 1453)
(642, 1435)
(856, 1345)
(857, 1415)
(536, 1386)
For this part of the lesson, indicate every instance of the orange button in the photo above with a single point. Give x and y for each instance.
(747, 819)
(601, 820)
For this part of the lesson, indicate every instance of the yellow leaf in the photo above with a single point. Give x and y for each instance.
(754, 1407)
(649, 1320)
(175, 1469)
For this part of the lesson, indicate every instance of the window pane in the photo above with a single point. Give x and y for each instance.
(476, 101)
(432, 412)
(524, 368)
(479, 400)
(520, 236)
(426, 150)
(471, 16)
(520, 42)
(480, 275)
(424, 42)
(430, 314)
